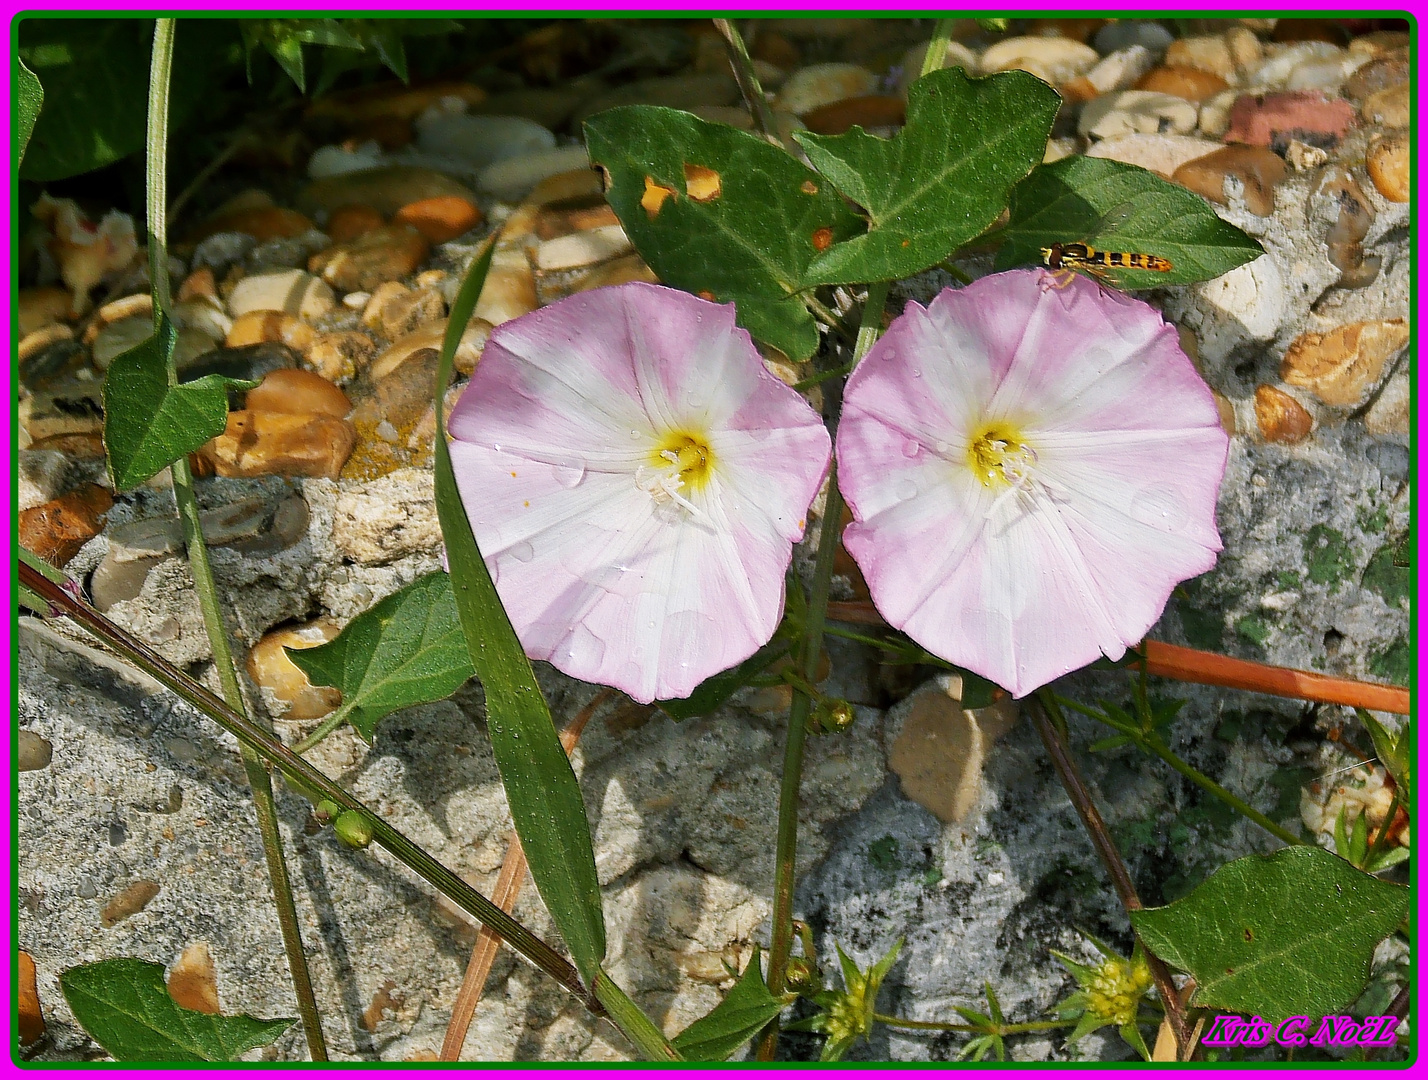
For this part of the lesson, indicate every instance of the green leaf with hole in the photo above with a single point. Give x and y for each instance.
(29, 97)
(941, 180)
(150, 423)
(541, 788)
(125, 1007)
(721, 213)
(1279, 935)
(734, 1021)
(406, 650)
(1119, 207)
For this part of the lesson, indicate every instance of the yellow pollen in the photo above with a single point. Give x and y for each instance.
(688, 456)
(998, 454)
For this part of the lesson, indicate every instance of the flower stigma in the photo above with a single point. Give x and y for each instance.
(680, 463)
(999, 454)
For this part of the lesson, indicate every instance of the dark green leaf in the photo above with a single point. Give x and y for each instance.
(286, 49)
(751, 243)
(1119, 207)
(941, 180)
(406, 650)
(126, 1008)
(387, 41)
(733, 1022)
(149, 423)
(1279, 935)
(540, 785)
(1394, 750)
(717, 689)
(29, 96)
(977, 692)
(328, 32)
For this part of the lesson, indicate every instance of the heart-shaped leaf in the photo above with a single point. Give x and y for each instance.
(29, 97)
(734, 1021)
(406, 650)
(1279, 935)
(721, 213)
(941, 180)
(149, 422)
(1119, 207)
(541, 788)
(126, 1008)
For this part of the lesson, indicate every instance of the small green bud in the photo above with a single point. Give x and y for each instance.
(326, 810)
(802, 977)
(353, 828)
(832, 716)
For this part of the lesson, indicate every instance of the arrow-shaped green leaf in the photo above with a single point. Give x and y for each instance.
(126, 1008)
(149, 422)
(1121, 207)
(29, 97)
(406, 650)
(940, 181)
(721, 213)
(734, 1021)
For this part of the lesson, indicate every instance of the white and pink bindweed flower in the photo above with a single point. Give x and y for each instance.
(1032, 470)
(636, 481)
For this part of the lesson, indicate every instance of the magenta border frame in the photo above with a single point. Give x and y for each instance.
(909, 8)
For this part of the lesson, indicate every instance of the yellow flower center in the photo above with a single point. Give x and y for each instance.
(679, 464)
(998, 454)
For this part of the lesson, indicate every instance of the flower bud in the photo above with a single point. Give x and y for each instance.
(353, 828)
(801, 977)
(326, 810)
(833, 716)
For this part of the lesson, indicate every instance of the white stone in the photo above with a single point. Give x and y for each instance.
(478, 141)
(958, 55)
(337, 160)
(1127, 112)
(514, 177)
(41, 477)
(1159, 153)
(583, 248)
(1273, 71)
(293, 291)
(1121, 69)
(1246, 304)
(822, 84)
(1215, 113)
(1053, 59)
(387, 518)
(124, 334)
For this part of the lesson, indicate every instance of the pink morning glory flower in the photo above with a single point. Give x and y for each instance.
(1031, 470)
(636, 480)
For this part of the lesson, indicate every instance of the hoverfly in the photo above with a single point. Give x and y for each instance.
(1098, 262)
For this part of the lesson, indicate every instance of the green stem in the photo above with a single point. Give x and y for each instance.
(1154, 746)
(323, 730)
(781, 945)
(303, 774)
(748, 81)
(824, 376)
(1382, 837)
(632, 1021)
(936, 54)
(204, 585)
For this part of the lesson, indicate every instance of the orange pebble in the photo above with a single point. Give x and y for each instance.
(440, 219)
(351, 221)
(292, 390)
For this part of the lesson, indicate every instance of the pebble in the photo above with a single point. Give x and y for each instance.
(510, 290)
(328, 162)
(38, 307)
(222, 250)
(1376, 75)
(509, 180)
(616, 272)
(402, 393)
(1341, 366)
(386, 189)
(1276, 68)
(151, 538)
(30, 1017)
(1118, 71)
(1392, 413)
(957, 55)
(339, 355)
(384, 254)
(281, 444)
(551, 223)
(1388, 159)
(285, 253)
(119, 337)
(1161, 154)
(204, 315)
(478, 141)
(1192, 84)
(41, 477)
(351, 221)
(1215, 113)
(74, 411)
(872, 111)
(1327, 74)
(1388, 108)
(37, 341)
(246, 362)
(1126, 33)
(1311, 116)
(262, 223)
(56, 530)
(292, 390)
(193, 980)
(387, 518)
(129, 901)
(256, 327)
(440, 219)
(114, 582)
(1129, 111)
(1247, 304)
(1258, 170)
(1205, 52)
(75, 446)
(295, 697)
(808, 88)
(397, 314)
(549, 106)
(1303, 157)
(34, 752)
(583, 248)
(123, 308)
(1281, 419)
(1052, 59)
(391, 100)
(1246, 49)
(293, 291)
(671, 91)
(574, 185)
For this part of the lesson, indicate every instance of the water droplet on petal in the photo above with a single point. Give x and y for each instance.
(634, 434)
(911, 448)
(917, 373)
(943, 447)
(569, 474)
(906, 489)
(523, 552)
(889, 354)
(1158, 507)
